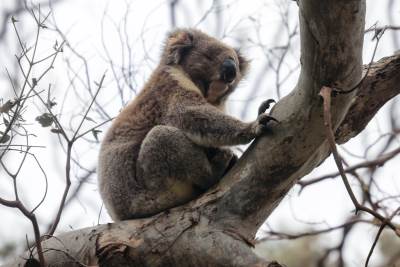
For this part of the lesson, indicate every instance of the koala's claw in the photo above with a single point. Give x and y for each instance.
(265, 105)
(265, 119)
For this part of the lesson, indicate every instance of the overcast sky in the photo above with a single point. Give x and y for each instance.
(90, 27)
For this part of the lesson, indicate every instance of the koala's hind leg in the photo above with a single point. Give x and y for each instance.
(173, 169)
(221, 160)
(166, 153)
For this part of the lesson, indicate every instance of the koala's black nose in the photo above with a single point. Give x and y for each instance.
(228, 70)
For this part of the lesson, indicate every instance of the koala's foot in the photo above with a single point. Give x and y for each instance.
(221, 161)
(232, 162)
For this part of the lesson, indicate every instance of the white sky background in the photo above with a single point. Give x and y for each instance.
(147, 24)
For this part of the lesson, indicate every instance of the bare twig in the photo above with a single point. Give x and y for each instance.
(172, 11)
(31, 216)
(378, 35)
(326, 95)
(381, 228)
(378, 162)
(68, 161)
(383, 28)
(281, 235)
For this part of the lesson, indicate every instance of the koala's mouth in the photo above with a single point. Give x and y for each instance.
(222, 80)
(227, 90)
(217, 89)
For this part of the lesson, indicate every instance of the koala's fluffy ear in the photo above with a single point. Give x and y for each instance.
(244, 63)
(178, 43)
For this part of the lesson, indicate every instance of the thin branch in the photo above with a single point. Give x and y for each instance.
(172, 10)
(326, 95)
(381, 228)
(281, 235)
(100, 84)
(378, 162)
(32, 218)
(68, 162)
(378, 35)
(66, 189)
(383, 28)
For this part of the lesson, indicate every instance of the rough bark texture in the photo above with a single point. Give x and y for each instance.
(218, 228)
(381, 85)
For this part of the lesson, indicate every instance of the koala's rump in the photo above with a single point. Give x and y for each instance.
(117, 176)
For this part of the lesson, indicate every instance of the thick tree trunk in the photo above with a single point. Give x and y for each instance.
(218, 228)
(331, 46)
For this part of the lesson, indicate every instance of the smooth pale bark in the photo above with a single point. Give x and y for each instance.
(218, 228)
(331, 44)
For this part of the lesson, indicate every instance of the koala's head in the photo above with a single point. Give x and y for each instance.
(212, 65)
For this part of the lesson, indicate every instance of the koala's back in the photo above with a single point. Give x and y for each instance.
(118, 182)
(166, 147)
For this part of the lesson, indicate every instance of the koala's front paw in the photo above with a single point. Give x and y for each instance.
(261, 125)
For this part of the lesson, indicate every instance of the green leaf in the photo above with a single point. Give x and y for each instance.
(51, 103)
(95, 134)
(6, 107)
(6, 122)
(90, 119)
(34, 82)
(46, 119)
(56, 130)
(4, 138)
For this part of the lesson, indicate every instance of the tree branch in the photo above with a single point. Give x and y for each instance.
(331, 54)
(383, 77)
(218, 228)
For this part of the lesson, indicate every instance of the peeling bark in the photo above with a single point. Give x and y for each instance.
(218, 228)
(381, 85)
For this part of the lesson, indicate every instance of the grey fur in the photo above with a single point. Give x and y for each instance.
(167, 146)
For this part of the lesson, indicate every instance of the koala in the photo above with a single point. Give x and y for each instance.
(169, 145)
